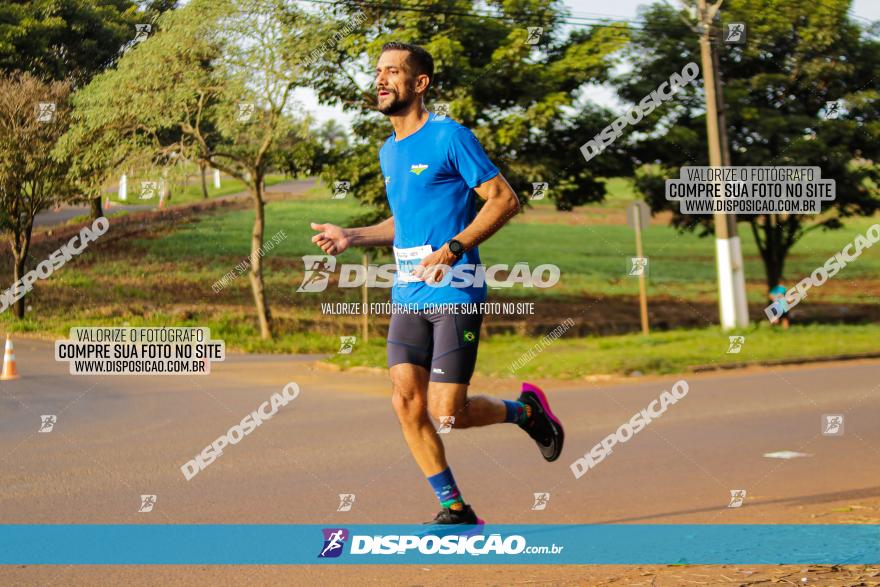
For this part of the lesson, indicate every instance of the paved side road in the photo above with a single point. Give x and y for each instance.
(118, 437)
(64, 213)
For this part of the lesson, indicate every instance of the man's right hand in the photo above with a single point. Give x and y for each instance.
(332, 239)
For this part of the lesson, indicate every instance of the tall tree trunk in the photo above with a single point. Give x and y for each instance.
(20, 243)
(256, 273)
(203, 168)
(166, 187)
(772, 247)
(97, 208)
(773, 269)
(17, 273)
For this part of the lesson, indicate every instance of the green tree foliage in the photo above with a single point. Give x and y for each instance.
(522, 100)
(798, 58)
(214, 85)
(70, 39)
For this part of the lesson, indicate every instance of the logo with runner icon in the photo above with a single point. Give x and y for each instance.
(346, 501)
(334, 540)
(147, 503)
(541, 501)
(47, 422)
(318, 270)
(737, 497)
(832, 424)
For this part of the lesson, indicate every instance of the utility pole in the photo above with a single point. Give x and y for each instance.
(728, 252)
(637, 216)
(721, 107)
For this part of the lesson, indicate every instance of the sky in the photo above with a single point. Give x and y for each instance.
(863, 10)
(869, 9)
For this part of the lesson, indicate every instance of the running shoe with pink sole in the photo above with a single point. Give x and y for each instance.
(450, 517)
(543, 426)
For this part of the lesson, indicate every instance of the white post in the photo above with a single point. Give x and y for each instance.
(217, 179)
(643, 291)
(123, 187)
(731, 283)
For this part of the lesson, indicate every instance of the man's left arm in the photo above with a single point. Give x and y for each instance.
(501, 205)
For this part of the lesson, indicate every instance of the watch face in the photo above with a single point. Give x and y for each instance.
(456, 247)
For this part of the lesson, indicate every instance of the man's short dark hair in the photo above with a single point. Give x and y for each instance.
(419, 60)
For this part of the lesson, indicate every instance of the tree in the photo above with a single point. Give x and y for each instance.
(797, 59)
(67, 39)
(31, 178)
(214, 85)
(518, 90)
(73, 40)
(203, 170)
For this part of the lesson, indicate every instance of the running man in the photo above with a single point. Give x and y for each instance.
(432, 169)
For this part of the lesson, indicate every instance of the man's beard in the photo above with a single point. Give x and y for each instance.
(395, 106)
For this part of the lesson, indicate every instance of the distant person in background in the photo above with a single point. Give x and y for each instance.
(777, 296)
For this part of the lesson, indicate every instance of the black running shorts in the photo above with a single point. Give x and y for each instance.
(444, 343)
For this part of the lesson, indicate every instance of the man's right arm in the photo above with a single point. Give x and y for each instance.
(378, 235)
(334, 240)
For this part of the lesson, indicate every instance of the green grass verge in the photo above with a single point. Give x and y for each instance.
(674, 351)
(659, 353)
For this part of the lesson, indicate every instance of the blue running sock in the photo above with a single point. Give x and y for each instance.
(516, 412)
(446, 490)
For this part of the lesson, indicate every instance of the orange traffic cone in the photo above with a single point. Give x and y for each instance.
(10, 371)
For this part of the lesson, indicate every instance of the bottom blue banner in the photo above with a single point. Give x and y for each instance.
(491, 544)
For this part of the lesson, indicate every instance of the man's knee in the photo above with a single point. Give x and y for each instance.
(442, 407)
(408, 401)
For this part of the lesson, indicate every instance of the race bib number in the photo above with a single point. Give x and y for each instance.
(408, 259)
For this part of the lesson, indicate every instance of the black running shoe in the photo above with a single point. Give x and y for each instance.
(544, 428)
(448, 517)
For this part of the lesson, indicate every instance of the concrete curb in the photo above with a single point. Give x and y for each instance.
(776, 362)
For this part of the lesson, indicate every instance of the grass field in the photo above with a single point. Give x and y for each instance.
(166, 278)
(592, 258)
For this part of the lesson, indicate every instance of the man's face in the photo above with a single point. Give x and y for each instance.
(395, 86)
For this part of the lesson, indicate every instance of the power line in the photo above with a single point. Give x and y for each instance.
(521, 17)
(598, 21)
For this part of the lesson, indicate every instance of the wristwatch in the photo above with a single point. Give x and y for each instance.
(456, 248)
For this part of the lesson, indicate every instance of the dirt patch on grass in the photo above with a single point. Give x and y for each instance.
(610, 214)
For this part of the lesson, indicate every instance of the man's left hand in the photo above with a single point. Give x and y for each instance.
(434, 267)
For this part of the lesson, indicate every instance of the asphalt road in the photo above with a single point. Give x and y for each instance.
(118, 437)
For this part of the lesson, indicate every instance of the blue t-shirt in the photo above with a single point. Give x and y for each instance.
(429, 180)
